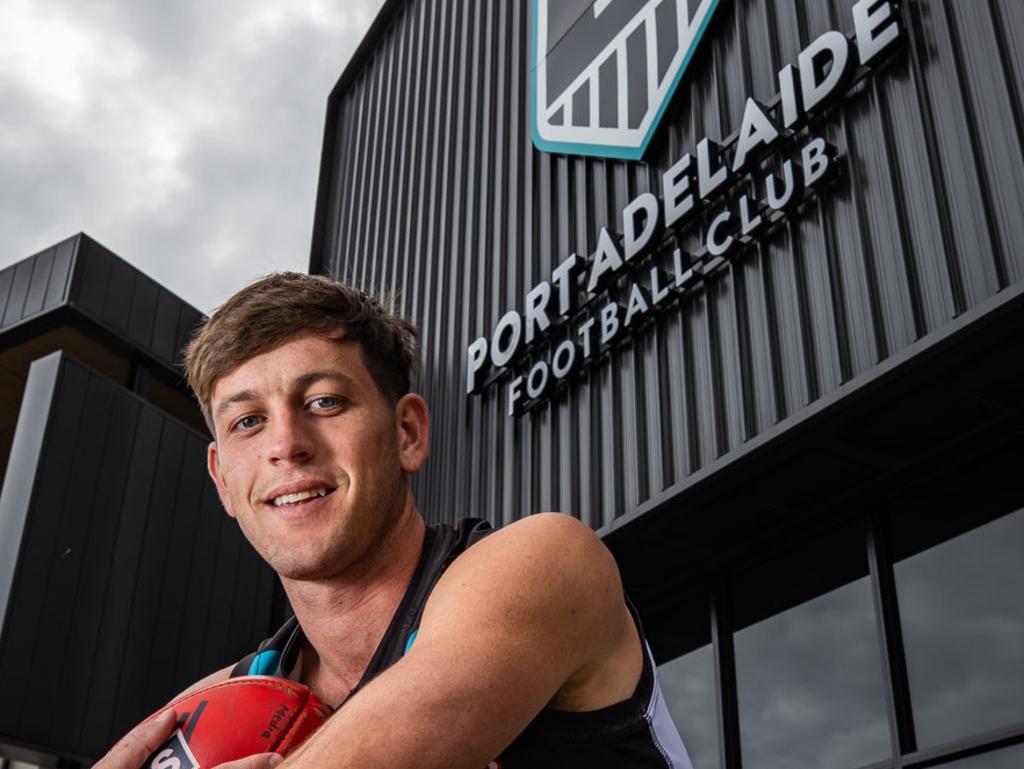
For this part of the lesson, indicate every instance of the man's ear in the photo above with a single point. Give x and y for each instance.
(412, 418)
(213, 468)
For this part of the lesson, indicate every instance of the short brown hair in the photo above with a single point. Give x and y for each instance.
(273, 309)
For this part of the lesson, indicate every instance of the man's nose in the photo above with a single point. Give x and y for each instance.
(290, 439)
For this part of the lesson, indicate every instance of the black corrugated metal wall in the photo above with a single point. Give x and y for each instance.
(436, 195)
(123, 580)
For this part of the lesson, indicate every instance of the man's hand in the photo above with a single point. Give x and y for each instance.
(135, 747)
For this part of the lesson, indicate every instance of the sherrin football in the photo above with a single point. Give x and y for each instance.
(238, 718)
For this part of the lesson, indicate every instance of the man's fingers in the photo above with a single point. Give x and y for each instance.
(258, 761)
(136, 746)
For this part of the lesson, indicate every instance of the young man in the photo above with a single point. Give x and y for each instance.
(438, 646)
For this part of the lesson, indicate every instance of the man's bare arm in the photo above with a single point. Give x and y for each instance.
(531, 615)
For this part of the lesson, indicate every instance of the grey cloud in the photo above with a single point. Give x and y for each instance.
(195, 151)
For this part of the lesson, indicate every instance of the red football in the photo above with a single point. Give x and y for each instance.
(237, 718)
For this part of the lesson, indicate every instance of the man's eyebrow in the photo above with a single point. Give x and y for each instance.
(312, 377)
(301, 382)
(238, 397)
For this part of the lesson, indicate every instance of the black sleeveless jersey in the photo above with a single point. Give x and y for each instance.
(636, 733)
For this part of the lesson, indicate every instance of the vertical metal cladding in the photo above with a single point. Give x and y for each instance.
(126, 581)
(435, 195)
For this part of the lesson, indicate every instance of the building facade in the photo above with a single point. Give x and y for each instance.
(122, 581)
(740, 284)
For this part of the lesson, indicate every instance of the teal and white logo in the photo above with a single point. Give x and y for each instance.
(605, 70)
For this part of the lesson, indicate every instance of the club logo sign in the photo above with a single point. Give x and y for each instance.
(605, 70)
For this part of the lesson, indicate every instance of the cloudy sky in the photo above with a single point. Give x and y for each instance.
(183, 135)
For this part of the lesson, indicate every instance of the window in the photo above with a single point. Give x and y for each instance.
(962, 611)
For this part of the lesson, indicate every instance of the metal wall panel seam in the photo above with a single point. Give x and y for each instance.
(449, 296)
(40, 278)
(340, 190)
(902, 214)
(466, 415)
(416, 140)
(382, 275)
(913, 24)
(151, 570)
(433, 316)
(419, 252)
(976, 147)
(100, 723)
(49, 518)
(485, 412)
(29, 445)
(80, 737)
(396, 212)
(369, 182)
(350, 181)
(875, 316)
(19, 290)
(375, 253)
(64, 261)
(957, 168)
(434, 224)
(1015, 255)
(69, 558)
(23, 598)
(175, 611)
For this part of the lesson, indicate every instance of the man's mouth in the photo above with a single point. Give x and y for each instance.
(299, 496)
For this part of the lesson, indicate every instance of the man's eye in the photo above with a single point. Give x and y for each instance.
(325, 402)
(247, 422)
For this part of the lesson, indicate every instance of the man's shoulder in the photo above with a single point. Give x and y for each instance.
(554, 556)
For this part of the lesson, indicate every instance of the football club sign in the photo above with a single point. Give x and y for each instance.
(605, 70)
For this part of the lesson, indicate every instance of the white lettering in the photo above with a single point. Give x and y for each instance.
(756, 129)
(718, 247)
(775, 200)
(709, 180)
(537, 381)
(609, 322)
(564, 276)
(815, 160)
(790, 96)
(749, 223)
(564, 359)
(606, 260)
(830, 47)
(658, 294)
(637, 304)
(165, 759)
(874, 36)
(646, 206)
(476, 362)
(584, 331)
(515, 394)
(505, 339)
(675, 188)
(536, 309)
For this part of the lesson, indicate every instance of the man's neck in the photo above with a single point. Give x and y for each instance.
(345, 618)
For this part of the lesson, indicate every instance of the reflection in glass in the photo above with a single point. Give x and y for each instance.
(1007, 758)
(688, 683)
(810, 685)
(962, 612)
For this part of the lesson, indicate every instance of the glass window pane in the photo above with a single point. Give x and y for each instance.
(962, 612)
(810, 685)
(688, 683)
(1007, 758)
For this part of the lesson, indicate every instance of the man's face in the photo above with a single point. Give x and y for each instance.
(310, 456)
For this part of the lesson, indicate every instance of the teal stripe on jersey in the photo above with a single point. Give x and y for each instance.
(265, 663)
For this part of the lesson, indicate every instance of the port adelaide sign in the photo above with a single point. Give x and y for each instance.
(602, 81)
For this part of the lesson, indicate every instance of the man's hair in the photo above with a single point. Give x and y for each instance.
(278, 307)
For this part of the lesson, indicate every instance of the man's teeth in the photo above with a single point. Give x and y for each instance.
(298, 496)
